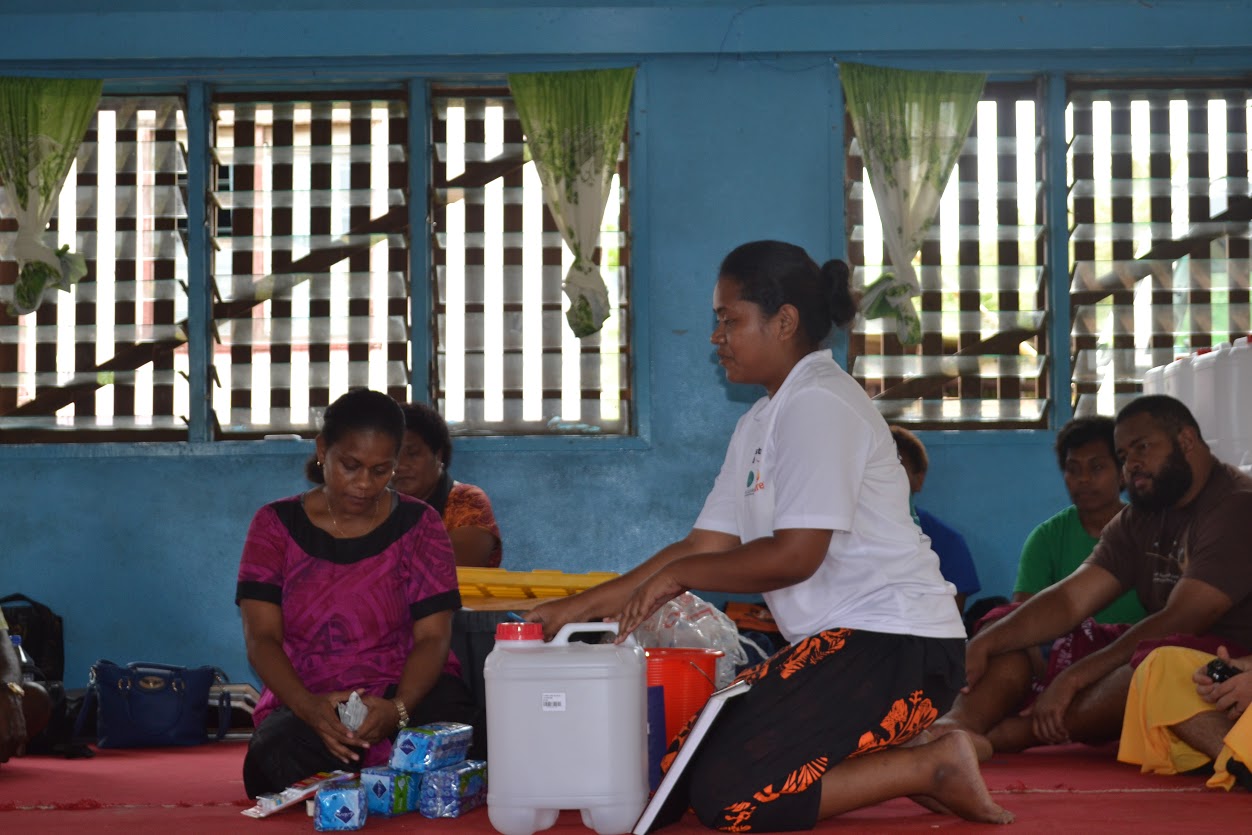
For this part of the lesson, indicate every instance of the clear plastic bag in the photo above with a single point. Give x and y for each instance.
(688, 621)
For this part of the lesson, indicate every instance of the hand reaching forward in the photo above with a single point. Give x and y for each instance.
(556, 613)
(646, 599)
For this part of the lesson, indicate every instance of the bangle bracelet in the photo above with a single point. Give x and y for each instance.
(402, 711)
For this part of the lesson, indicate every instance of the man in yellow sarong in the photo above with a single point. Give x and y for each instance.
(1179, 720)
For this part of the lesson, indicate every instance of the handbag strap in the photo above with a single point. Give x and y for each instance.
(137, 666)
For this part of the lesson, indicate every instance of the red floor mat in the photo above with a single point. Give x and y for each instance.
(1066, 789)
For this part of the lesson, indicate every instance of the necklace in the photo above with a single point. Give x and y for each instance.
(335, 522)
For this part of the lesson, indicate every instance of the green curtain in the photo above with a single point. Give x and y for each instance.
(42, 123)
(911, 126)
(573, 123)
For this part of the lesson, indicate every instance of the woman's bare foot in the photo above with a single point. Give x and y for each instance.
(927, 803)
(957, 784)
(931, 805)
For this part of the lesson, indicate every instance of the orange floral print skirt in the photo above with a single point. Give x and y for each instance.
(838, 694)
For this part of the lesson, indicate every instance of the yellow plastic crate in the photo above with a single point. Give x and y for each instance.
(480, 585)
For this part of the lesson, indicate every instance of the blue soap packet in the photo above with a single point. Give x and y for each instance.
(454, 790)
(388, 792)
(340, 808)
(432, 746)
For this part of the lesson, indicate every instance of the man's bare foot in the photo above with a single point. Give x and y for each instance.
(941, 726)
(1013, 734)
(957, 784)
(982, 746)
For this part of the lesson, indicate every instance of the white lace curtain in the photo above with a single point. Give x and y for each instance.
(42, 123)
(911, 126)
(573, 123)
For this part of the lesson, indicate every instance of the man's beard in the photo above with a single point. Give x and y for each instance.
(1167, 486)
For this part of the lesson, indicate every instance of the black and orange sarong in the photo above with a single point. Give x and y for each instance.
(838, 694)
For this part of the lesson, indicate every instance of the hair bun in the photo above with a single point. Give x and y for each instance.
(843, 305)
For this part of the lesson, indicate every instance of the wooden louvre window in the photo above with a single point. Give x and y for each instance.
(107, 360)
(1161, 215)
(504, 359)
(982, 359)
(311, 258)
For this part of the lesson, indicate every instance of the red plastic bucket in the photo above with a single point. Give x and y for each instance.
(687, 677)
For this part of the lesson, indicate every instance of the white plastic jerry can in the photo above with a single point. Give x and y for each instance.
(1214, 407)
(566, 729)
(1154, 380)
(1180, 381)
(1240, 446)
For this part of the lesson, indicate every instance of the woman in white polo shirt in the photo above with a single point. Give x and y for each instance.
(811, 509)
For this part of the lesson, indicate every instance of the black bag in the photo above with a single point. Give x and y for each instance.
(59, 737)
(146, 705)
(41, 631)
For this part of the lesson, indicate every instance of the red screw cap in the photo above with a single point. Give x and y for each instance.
(519, 631)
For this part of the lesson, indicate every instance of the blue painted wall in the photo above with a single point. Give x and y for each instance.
(137, 545)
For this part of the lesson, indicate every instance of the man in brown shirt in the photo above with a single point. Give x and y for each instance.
(1182, 544)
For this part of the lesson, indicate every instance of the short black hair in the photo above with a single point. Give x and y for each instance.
(1083, 430)
(911, 447)
(1172, 414)
(358, 410)
(433, 429)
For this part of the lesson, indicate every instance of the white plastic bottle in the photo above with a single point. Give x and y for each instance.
(28, 666)
(566, 729)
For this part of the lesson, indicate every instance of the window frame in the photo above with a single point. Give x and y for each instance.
(1005, 88)
(1165, 343)
(480, 92)
(198, 98)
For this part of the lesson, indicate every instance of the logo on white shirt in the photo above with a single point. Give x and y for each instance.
(756, 479)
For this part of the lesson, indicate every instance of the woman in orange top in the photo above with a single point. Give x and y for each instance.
(423, 473)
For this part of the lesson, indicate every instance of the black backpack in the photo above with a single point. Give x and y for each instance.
(41, 632)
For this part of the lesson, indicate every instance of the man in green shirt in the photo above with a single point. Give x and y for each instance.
(1085, 452)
